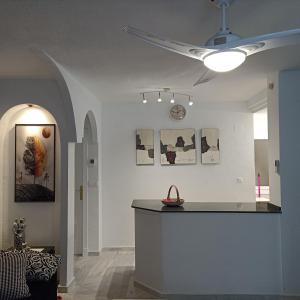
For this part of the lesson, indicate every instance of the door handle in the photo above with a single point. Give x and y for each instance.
(81, 192)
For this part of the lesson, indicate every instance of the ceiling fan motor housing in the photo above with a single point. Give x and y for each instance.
(221, 38)
(220, 3)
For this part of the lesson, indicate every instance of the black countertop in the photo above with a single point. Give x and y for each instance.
(214, 207)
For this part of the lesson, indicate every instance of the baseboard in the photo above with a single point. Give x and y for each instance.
(148, 289)
(63, 289)
(104, 249)
(94, 253)
(156, 293)
(85, 252)
(291, 295)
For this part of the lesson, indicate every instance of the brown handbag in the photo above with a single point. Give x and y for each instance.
(173, 201)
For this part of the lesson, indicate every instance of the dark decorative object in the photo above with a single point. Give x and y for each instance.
(13, 272)
(35, 163)
(19, 234)
(173, 201)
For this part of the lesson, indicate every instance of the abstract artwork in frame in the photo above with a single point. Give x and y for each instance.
(177, 146)
(210, 146)
(144, 147)
(35, 162)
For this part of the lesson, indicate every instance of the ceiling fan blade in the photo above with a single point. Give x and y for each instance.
(267, 41)
(174, 46)
(206, 76)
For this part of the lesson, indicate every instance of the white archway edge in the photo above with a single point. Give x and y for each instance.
(83, 102)
(82, 99)
(69, 102)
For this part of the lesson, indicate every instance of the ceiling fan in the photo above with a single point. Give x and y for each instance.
(224, 51)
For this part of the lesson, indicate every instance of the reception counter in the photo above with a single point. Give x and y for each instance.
(233, 207)
(208, 248)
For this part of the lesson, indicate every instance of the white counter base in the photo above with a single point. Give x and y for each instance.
(208, 253)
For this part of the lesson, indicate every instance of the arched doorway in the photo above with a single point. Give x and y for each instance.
(87, 190)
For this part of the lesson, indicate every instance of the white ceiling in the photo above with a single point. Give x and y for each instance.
(86, 37)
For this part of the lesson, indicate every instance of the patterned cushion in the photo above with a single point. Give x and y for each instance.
(41, 266)
(12, 276)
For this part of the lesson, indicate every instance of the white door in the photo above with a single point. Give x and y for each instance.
(78, 218)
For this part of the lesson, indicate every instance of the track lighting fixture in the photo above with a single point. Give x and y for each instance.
(161, 96)
(144, 99)
(172, 99)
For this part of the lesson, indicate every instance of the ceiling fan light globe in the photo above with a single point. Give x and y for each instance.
(224, 61)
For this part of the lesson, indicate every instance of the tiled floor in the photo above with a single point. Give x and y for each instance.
(111, 276)
(107, 276)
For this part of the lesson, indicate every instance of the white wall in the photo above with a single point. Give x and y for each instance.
(123, 181)
(93, 200)
(289, 124)
(274, 149)
(260, 122)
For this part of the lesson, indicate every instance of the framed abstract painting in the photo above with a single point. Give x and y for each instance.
(144, 147)
(177, 147)
(35, 162)
(210, 146)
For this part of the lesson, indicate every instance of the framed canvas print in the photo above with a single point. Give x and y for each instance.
(210, 146)
(177, 146)
(144, 147)
(35, 162)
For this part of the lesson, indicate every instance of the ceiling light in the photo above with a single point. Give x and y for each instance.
(224, 61)
(190, 102)
(172, 99)
(159, 98)
(144, 100)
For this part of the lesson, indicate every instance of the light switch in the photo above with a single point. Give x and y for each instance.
(239, 179)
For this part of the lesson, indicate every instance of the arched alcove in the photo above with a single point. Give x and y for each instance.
(50, 95)
(42, 218)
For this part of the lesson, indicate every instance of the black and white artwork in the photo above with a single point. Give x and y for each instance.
(144, 147)
(177, 146)
(35, 163)
(210, 146)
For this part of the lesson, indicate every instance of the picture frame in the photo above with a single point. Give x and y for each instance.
(144, 147)
(178, 147)
(210, 146)
(35, 160)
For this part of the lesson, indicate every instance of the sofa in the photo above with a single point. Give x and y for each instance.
(28, 275)
(43, 290)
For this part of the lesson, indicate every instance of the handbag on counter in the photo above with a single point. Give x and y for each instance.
(173, 201)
